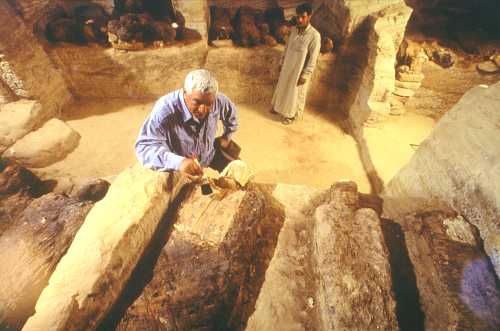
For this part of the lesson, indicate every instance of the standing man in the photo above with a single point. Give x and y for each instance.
(179, 134)
(297, 65)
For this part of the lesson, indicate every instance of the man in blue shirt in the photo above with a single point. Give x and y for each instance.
(179, 134)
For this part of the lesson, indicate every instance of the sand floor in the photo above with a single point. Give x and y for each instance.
(312, 151)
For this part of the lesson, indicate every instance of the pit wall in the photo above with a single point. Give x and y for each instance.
(30, 64)
(245, 75)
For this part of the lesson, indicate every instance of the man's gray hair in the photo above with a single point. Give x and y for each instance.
(201, 80)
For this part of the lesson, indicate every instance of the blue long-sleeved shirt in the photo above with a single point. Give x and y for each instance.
(170, 132)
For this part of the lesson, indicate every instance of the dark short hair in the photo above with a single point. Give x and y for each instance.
(304, 8)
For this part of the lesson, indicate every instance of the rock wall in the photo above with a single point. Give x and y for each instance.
(30, 63)
(341, 18)
(92, 274)
(458, 167)
(98, 72)
(245, 75)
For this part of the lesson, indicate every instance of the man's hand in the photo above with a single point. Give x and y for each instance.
(224, 142)
(191, 168)
(301, 81)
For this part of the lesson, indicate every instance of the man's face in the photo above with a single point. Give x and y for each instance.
(303, 19)
(199, 104)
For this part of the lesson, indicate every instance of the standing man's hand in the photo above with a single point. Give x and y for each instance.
(301, 81)
(191, 168)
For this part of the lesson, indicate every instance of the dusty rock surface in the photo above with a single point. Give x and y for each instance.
(17, 119)
(457, 285)
(30, 251)
(6, 94)
(287, 298)
(45, 146)
(92, 274)
(354, 275)
(457, 167)
(18, 186)
(442, 88)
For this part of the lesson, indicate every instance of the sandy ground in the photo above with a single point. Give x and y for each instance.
(312, 151)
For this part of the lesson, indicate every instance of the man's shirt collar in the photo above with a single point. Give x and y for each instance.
(186, 114)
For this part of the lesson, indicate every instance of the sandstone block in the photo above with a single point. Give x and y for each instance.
(17, 119)
(496, 59)
(403, 92)
(408, 85)
(457, 167)
(354, 278)
(397, 109)
(488, 67)
(410, 77)
(456, 283)
(92, 274)
(45, 146)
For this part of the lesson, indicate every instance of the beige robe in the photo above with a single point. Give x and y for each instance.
(299, 59)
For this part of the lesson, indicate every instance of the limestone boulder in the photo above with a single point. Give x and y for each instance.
(90, 277)
(456, 283)
(18, 119)
(457, 167)
(30, 251)
(354, 274)
(45, 146)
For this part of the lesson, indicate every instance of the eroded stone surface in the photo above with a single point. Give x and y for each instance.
(92, 274)
(45, 146)
(457, 167)
(18, 186)
(30, 251)
(354, 276)
(455, 280)
(287, 297)
(17, 119)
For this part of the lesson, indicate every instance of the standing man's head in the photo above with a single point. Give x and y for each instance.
(304, 13)
(200, 90)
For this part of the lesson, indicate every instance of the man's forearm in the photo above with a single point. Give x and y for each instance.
(158, 158)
